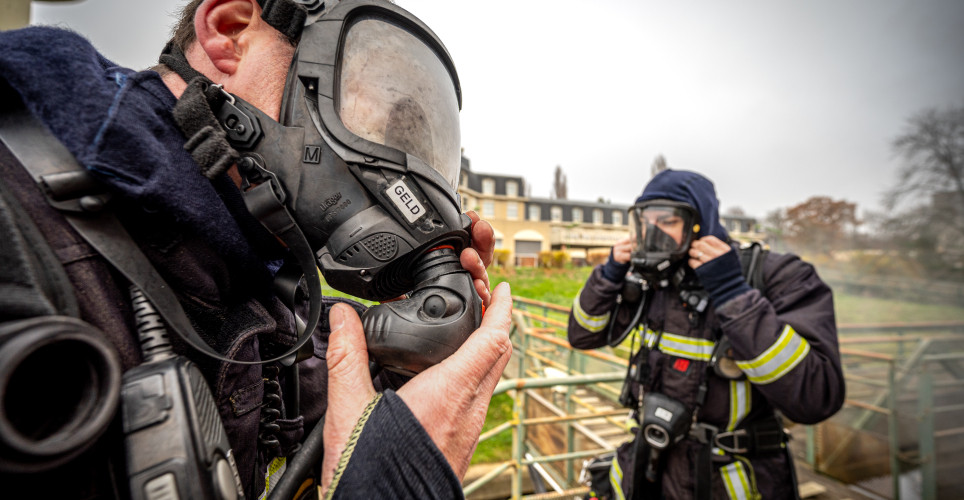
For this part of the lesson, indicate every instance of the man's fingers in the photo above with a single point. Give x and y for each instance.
(349, 384)
(483, 238)
(472, 263)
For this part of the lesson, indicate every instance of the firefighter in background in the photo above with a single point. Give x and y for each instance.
(724, 341)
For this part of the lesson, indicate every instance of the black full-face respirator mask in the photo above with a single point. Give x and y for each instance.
(661, 233)
(358, 176)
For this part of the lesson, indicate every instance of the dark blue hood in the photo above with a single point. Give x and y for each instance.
(693, 189)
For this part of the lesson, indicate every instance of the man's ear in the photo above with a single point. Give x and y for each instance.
(219, 25)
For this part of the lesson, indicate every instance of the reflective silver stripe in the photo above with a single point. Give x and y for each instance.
(680, 346)
(739, 402)
(686, 347)
(786, 353)
(736, 482)
(616, 479)
(648, 339)
(591, 323)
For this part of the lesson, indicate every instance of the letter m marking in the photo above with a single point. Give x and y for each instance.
(312, 154)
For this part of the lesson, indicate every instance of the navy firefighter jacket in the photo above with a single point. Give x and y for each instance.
(784, 339)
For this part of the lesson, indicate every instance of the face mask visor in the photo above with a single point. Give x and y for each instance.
(662, 230)
(393, 89)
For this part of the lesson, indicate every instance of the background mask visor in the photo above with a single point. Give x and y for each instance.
(394, 90)
(662, 228)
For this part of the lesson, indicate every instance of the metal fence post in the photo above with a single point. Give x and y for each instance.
(570, 409)
(518, 441)
(893, 440)
(928, 457)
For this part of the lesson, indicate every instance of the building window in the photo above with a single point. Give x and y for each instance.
(597, 216)
(555, 214)
(535, 212)
(488, 209)
(511, 188)
(488, 186)
(512, 211)
(498, 243)
(577, 215)
(617, 218)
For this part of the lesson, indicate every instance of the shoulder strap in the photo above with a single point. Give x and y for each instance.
(32, 280)
(751, 258)
(70, 188)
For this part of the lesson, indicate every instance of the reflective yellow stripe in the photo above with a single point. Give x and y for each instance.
(781, 357)
(678, 345)
(272, 476)
(739, 402)
(686, 347)
(616, 479)
(736, 483)
(591, 323)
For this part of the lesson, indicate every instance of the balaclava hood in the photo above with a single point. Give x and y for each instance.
(691, 188)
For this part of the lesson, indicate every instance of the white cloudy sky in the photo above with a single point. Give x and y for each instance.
(774, 101)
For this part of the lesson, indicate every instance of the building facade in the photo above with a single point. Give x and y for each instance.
(526, 226)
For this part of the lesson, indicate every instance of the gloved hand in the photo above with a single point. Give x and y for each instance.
(618, 263)
(718, 267)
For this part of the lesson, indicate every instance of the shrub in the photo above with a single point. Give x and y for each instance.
(597, 257)
(500, 257)
(555, 259)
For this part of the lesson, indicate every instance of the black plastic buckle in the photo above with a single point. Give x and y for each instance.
(740, 441)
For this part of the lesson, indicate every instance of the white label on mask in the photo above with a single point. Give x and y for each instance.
(402, 196)
(664, 414)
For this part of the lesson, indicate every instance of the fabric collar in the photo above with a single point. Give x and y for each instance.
(117, 122)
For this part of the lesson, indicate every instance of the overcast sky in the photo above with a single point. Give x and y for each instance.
(774, 101)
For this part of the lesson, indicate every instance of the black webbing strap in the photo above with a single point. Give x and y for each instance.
(174, 58)
(207, 140)
(285, 16)
(65, 184)
(704, 474)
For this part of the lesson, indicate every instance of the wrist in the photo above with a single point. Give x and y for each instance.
(722, 278)
(614, 271)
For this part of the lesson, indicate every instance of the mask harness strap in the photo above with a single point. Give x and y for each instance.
(215, 125)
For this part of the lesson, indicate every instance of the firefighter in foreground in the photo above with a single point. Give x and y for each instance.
(724, 341)
(330, 127)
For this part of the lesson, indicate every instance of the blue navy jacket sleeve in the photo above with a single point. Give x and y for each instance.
(395, 458)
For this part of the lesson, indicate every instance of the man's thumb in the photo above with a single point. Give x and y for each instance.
(349, 383)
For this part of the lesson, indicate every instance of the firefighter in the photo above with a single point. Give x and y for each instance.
(725, 340)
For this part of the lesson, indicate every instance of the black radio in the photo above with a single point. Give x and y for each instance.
(175, 443)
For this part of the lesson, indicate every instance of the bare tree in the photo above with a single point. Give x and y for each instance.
(933, 151)
(559, 184)
(659, 164)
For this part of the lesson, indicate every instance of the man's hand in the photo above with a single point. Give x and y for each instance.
(706, 249)
(622, 251)
(479, 256)
(448, 399)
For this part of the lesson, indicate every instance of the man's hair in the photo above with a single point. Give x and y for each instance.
(183, 33)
